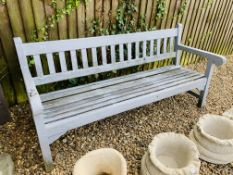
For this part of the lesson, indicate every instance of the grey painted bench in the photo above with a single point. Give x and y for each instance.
(57, 112)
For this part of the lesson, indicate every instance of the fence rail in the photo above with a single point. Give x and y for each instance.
(208, 24)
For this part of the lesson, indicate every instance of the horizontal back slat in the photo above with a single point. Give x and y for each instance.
(81, 43)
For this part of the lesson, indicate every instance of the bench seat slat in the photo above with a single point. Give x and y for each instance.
(118, 96)
(95, 85)
(101, 113)
(118, 86)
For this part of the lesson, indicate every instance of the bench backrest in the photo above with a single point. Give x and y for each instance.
(86, 56)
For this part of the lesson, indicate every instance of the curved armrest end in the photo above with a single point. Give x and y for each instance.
(221, 60)
(218, 60)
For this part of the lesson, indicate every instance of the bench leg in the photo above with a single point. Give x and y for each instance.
(46, 153)
(204, 93)
(202, 98)
(44, 144)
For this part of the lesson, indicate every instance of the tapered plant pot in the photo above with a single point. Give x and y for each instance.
(171, 153)
(229, 113)
(105, 161)
(144, 166)
(213, 136)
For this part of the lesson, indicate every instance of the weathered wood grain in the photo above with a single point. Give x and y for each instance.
(8, 47)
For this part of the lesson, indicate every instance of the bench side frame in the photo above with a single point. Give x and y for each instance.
(35, 104)
(213, 59)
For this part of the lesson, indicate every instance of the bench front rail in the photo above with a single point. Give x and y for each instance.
(57, 112)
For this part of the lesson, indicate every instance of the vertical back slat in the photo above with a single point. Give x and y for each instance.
(121, 52)
(94, 57)
(62, 60)
(178, 40)
(84, 58)
(129, 51)
(144, 49)
(74, 61)
(137, 50)
(38, 65)
(171, 44)
(113, 54)
(50, 63)
(165, 45)
(151, 47)
(104, 55)
(158, 46)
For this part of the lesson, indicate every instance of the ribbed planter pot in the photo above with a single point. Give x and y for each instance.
(229, 113)
(105, 161)
(213, 136)
(144, 165)
(171, 153)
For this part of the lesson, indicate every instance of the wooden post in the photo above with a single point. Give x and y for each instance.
(4, 113)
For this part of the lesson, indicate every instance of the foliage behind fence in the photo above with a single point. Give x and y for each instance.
(207, 24)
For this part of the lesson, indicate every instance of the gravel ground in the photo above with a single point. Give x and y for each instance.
(129, 132)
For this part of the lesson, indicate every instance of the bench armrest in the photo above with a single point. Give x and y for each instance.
(35, 101)
(214, 58)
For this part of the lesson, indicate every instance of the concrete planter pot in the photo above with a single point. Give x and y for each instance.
(171, 153)
(229, 113)
(147, 167)
(213, 136)
(105, 161)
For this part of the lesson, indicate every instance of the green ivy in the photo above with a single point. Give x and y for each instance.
(182, 8)
(59, 13)
(2, 2)
(124, 21)
(161, 7)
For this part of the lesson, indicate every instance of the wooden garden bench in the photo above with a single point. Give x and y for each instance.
(57, 112)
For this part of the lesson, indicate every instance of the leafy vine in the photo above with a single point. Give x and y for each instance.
(2, 2)
(124, 21)
(182, 8)
(161, 7)
(59, 13)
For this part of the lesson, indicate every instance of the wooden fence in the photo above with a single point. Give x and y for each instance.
(208, 24)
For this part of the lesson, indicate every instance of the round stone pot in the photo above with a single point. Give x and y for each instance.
(213, 136)
(171, 153)
(105, 161)
(229, 113)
